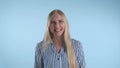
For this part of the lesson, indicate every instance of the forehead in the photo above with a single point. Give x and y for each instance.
(57, 16)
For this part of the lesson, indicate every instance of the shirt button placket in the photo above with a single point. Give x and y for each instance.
(59, 61)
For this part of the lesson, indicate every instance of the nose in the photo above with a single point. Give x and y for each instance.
(57, 25)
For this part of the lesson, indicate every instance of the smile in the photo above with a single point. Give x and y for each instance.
(58, 30)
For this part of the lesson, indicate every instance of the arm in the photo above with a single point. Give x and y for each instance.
(78, 49)
(38, 57)
(80, 57)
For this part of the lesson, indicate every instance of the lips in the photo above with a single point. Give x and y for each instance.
(57, 30)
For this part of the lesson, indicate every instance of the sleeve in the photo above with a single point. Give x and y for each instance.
(38, 57)
(80, 56)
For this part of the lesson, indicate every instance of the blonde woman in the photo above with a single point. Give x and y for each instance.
(58, 50)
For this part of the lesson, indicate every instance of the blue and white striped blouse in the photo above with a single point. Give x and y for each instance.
(50, 58)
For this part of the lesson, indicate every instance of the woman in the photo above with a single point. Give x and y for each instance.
(58, 50)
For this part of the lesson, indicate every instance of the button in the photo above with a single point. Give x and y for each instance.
(58, 58)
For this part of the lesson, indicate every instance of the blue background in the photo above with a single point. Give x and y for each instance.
(96, 23)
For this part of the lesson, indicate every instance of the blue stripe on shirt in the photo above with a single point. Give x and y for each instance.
(52, 59)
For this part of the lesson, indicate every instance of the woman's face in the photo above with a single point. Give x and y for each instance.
(57, 25)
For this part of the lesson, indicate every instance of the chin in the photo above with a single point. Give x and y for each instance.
(58, 35)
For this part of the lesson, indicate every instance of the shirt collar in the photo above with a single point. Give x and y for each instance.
(62, 50)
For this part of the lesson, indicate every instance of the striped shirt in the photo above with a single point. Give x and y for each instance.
(50, 58)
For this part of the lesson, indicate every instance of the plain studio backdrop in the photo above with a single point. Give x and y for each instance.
(96, 23)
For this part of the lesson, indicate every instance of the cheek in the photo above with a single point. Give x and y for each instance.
(51, 29)
(63, 26)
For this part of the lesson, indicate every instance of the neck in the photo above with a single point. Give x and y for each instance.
(58, 42)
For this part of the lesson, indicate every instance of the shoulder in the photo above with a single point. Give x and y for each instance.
(39, 45)
(76, 43)
(38, 48)
(77, 46)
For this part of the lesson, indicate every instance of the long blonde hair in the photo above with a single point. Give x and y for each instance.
(67, 39)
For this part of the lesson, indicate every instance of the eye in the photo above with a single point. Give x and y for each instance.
(61, 21)
(53, 22)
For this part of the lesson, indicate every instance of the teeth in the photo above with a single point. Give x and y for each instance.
(57, 30)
